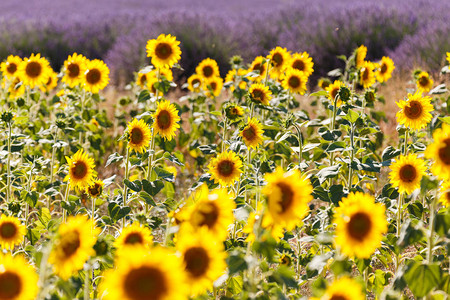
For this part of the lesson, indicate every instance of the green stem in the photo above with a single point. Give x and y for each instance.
(430, 239)
(350, 171)
(224, 136)
(125, 189)
(8, 170)
(150, 157)
(52, 164)
(399, 213)
(66, 197)
(247, 170)
(87, 287)
(405, 147)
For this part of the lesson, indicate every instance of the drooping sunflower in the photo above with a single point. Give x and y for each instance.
(367, 74)
(344, 288)
(295, 81)
(386, 67)
(226, 168)
(445, 194)
(288, 195)
(166, 120)
(74, 69)
(139, 135)
(12, 232)
(333, 90)
(73, 246)
(10, 66)
(252, 133)
(360, 225)
(194, 83)
(18, 279)
(361, 53)
(140, 273)
(81, 170)
(424, 82)
(96, 76)
(52, 82)
(208, 69)
(415, 113)
(213, 87)
(203, 256)
(439, 152)
(95, 189)
(165, 51)
(34, 71)
(234, 112)
(407, 172)
(258, 66)
(133, 235)
(279, 59)
(260, 94)
(302, 62)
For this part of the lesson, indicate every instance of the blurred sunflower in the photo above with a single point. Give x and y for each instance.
(407, 172)
(194, 83)
(10, 66)
(142, 79)
(81, 170)
(12, 232)
(424, 82)
(133, 235)
(295, 81)
(367, 74)
(96, 76)
(279, 59)
(258, 66)
(445, 194)
(34, 71)
(73, 246)
(277, 232)
(164, 73)
(166, 120)
(252, 133)
(234, 112)
(74, 69)
(361, 53)
(164, 51)
(18, 279)
(226, 168)
(448, 57)
(360, 225)
(208, 69)
(439, 152)
(213, 87)
(139, 135)
(15, 89)
(52, 82)
(236, 77)
(324, 83)
(95, 189)
(333, 90)
(302, 62)
(386, 67)
(260, 94)
(151, 81)
(344, 288)
(415, 111)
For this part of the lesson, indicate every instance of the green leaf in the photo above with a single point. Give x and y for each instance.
(147, 198)
(115, 157)
(135, 185)
(442, 224)
(445, 119)
(351, 116)
(117, 212)
(144, 95)
(336, 146)
(440, 89)
(422, 278)
(390, 152)
(152, 188)
(236, 262)
(328, 172)
(164, 174)
(319, 93)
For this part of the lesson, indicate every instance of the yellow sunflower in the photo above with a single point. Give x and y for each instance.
(140, 273)
(415, 111)
(141, 80)
(386, 67)
(448, 57)
(295, 81)
(258, 66)
(34, 71)
(360, 225)
(288, 195)
(208, 69)
(139, 135)
(252, 133)
(203, 256)
(151, 80)
(277, 232)
(166, 120)
(73, 246)
(96, 76)
(439, 152)
(52, 82)
(407, 172)
(445, 194)
(236, 76)
(424, 82)
(194, 83)
(18, 279)
(133, 235)
(260, 94)
(164, 51)
(226, 168)
(15, 90)
(12, 232)
(74, 69)
(344, 288)
(333, 90)
(286, 259)
(367, 74)
(10, 66)
(234, 112)
(95, 189)
(361, 53)
(302, 62)
(324, 83)
(81, 170)
(213, 87)
(279, 59)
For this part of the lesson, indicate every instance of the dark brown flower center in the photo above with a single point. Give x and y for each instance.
(93, 76)
(413, 110)
(143, 79)
(33, 69)
(197, 261)
(359, 226)
(444, 152)
(213, 85)
(70, 243)
(287, 196)
(225, 167)
(299, 65)
(294, 82)
(8, 230)
(73, 70)
(258, 95)
(383, 68)
(10, 285)
(210, 215)
(365, 74)
(136, 136)
(338, 297)
(285, 260)
(11, 68)
(145, 283)
(249, 133)
(49, 81)
(408, 173)
(163, 50)
(196, 81)
(134, 238)
(277, 59)
(259, 67)
(164, 120)
(334, 92)
(423, 81)
(208, 71)
(79, 170)
(95, 190)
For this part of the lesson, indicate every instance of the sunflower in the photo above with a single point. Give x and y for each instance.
(208, 69)
(258, 66)
(295, 81)
(386, 67)
(203, 256)
(73, 246)
(133, 235)
(194, 83)
(448, 57)
(234, 112)
(18, 279)
(445, 194)
(407, 172)
(34, 71)
(15, 89)
(286, 259)
(213, 87)
(288, 194)
(166, 120)
(361, 53)
(279, 59)
(415, 111)
(52, 82)
(252, 133)
(259, 93)
(151, 81)
(361, 224)
(74, 69)
(344, 288)
(96, 76)
(236, 76)
(302, 62)
(367, 74)
(324, 83)
(142, 274)
(212, 210)
(12, 232)
(10, 66)
(226, 168)
(81, 170)
(164, 51)
(142, 79)
(439, 152)
(276, 231)
(424, 82)
(95, 189)
(333, 90)
(139, 135)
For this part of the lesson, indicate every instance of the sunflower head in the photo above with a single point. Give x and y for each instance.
(12, 232)
(415, 111)
(234, 112)
(259, 94)
(18, 279)
(295, 81)
(279, 60)
(34, 71)
(424, 82)
(258, 66)
(194, 83)
(302, 62)
(344, 288)
(134, 235)
(165, 120)
(407, 172)
(208, 69)
(81, 170)
(226, 168)
(52, 82)
(96, 76)
(16, 88)
(165, 51)
(361, 53)
(333, 91)
(385, 69)
(252, 133)
(141, 80)
(286, 259)
(324, 83)
(439, 152)
(10, 66)
(213, 87)
(74, 69)
(139, 135)
(367, 74)
(95, 189)
(448, 57)
(445, 194)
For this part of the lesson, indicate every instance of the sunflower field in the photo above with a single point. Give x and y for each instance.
(259, 185)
